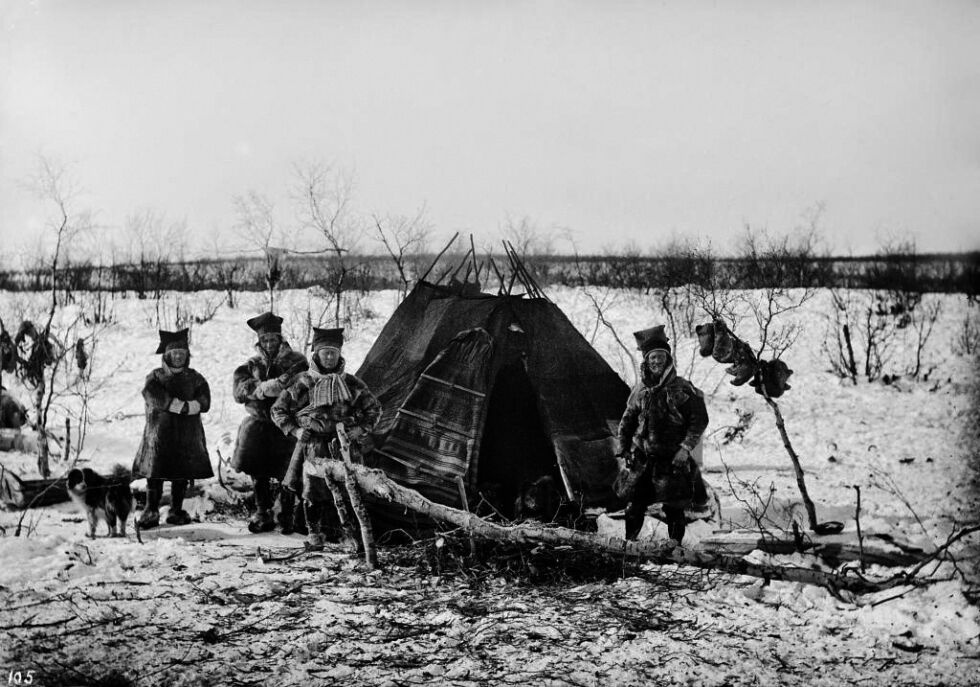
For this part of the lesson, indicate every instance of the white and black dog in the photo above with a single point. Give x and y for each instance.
(103, 498)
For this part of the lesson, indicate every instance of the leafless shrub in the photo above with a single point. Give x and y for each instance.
(674, 278)
(967, 341)
(324, 198)
(173, 311)
(39, 348)
(777, 268)
(735, 433)
(406, 240)
(763, 258)
(869, 331)
(98, 307)
(879, 337)
(714, 289)
(629, 269)
(155, 242)
(532, 243)
(841, 352)
(257, 224)
(230, 276)
(922, 322)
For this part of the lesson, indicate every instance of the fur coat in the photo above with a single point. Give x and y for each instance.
(292, 410)
(173, 445)
(662, 415)
(262, 450)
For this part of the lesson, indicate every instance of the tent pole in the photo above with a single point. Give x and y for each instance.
(451, 242)
(564, 476)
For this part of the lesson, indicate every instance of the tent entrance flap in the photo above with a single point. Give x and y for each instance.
(435, 433)
(515, 448)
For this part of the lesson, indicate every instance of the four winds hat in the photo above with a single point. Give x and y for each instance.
(327, 337)
(654, 338)
(171, 340)
(266, 323)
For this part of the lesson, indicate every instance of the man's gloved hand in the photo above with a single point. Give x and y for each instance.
(680, 459)
(177, 406)
(302, 434)
(271, 388)
(193, 408)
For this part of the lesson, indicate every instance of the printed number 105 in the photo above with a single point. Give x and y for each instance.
(17, 677)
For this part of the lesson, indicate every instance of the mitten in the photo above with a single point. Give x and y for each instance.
(270, 388)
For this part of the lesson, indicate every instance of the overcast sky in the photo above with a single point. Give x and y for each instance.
(618, 121)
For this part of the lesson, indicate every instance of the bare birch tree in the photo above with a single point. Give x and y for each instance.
(324, 198)
(405, 239)
(258, 226)
(54, 185)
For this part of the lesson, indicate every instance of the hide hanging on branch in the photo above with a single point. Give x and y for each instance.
(8, 351)
(36, 352)
(37, 356)
(769, 378)
(81, 355)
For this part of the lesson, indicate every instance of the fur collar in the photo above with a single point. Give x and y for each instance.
(172, 371)
(284, 350)
(651, 383)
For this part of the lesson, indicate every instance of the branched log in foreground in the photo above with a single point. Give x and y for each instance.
(378, 485)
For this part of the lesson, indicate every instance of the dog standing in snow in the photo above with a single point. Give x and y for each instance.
(109, 499)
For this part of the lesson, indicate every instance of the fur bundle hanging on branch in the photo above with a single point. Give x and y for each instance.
(767, 377)
(35, 351)
(8, 351)
(81, 355)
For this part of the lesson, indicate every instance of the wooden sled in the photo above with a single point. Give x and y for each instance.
(16, 492)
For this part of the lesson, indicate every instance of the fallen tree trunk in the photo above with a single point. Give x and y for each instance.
(835, 549)
(380, 486)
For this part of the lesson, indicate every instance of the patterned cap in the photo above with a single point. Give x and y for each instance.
(171, 340)
(327, 337)
(266, 323)
(652, 339)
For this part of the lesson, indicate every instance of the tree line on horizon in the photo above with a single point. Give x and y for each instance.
(330, 244)
(628, 269)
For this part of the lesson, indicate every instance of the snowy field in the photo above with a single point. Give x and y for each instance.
(210, 604)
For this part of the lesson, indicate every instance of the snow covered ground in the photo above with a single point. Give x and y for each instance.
(207, 604)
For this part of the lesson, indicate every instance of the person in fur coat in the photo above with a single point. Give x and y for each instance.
(664, 420)
(173, 446)
(262, 450)
(309, 410)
